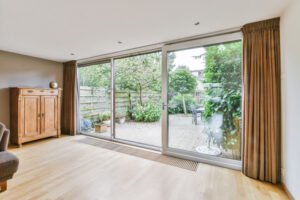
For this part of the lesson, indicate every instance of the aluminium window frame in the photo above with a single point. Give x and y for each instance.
(204, 158)
(184, 43)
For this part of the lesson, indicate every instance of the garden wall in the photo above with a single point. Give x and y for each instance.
(94, 101)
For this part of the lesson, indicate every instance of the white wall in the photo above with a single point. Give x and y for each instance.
(24, 71)
(290, 55)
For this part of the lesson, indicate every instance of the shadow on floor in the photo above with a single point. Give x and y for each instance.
(138, 152)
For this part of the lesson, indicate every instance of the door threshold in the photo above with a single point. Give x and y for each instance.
(126, 142)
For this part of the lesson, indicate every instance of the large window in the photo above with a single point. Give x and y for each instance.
(185, 99)
(138, 99)
(95, 99)
(204, 100)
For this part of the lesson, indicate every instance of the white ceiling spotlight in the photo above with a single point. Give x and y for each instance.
(34, 28)
(120, 42)
(197, 23)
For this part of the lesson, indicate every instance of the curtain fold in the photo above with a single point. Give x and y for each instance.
(261, 107)
(69, 98)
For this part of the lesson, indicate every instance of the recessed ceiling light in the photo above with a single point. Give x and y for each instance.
(72, 54)
(196, 23)
(120, 42)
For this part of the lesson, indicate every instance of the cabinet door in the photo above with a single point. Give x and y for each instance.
(49, 115)
(31, 116)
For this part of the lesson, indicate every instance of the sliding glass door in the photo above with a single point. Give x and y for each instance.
(202, 94)
(137, 106)
(95, 99)
(185, 99)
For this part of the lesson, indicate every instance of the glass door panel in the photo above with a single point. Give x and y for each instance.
(95, 100)
(138, 99)
(204, 100)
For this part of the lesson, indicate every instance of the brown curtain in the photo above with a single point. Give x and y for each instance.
(261, 108)
(69, 98)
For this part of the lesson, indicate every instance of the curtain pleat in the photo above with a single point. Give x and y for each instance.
(69, 98)
(261, 107)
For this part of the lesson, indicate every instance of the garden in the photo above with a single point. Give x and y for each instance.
(204, 107)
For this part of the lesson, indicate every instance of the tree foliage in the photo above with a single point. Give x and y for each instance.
(139, 73)
(182, 81)
(222, 93)
(96, 76)
(176, 105)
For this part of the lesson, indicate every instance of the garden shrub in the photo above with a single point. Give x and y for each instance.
(176, 106)
(223, 67)
(105, 116)
(149, 112)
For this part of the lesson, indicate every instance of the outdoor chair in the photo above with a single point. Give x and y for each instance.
(194, 113)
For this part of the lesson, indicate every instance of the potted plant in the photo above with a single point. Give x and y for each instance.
(105, 117)
(121, 120)
(100, 128)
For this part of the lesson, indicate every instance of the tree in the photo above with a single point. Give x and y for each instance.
(223, 88)
(139, 73)
(183, 82)
(96, 76)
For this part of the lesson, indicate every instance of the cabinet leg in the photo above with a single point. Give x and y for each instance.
(20, 145)
(3, 186)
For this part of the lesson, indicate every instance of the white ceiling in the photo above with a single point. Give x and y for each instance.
(52, 29)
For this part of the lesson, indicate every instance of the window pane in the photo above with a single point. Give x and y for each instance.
(204, 98)
(95, 99)
(138, 98)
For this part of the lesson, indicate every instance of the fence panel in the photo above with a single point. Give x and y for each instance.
(94, 101)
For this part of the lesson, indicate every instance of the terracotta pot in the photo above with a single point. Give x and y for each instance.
(122, 120)
(100, 128)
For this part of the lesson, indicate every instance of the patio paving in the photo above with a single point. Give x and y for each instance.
(182, 133)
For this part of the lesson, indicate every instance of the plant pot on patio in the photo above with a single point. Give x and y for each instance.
(100, 128)
(107, 122)
(121, 120)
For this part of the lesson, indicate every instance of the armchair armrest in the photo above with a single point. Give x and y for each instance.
(4, 140)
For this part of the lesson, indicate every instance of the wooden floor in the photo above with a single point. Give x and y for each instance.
(90, 169)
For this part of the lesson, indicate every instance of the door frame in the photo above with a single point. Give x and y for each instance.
(113, 107)
(111, 60)
(207, 41)
(224, 36)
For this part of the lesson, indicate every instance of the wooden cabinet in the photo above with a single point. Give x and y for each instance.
(34, 114)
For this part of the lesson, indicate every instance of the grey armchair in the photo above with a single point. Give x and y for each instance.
(8, 162)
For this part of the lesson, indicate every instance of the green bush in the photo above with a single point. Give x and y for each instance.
(176, 106)
(224, 68)
(105, 116)
(149, 112)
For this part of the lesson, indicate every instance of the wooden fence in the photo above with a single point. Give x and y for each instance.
(94, 101)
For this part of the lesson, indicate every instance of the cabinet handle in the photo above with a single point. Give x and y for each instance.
(41, 90)
(43, 114)
(30, 91)
(39, 115)
(51, 91)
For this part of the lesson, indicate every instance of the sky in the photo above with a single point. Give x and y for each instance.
(185, 57)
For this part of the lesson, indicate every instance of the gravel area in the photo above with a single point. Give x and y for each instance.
(182, 133)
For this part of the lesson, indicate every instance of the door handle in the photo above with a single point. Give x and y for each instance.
(164, 105)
